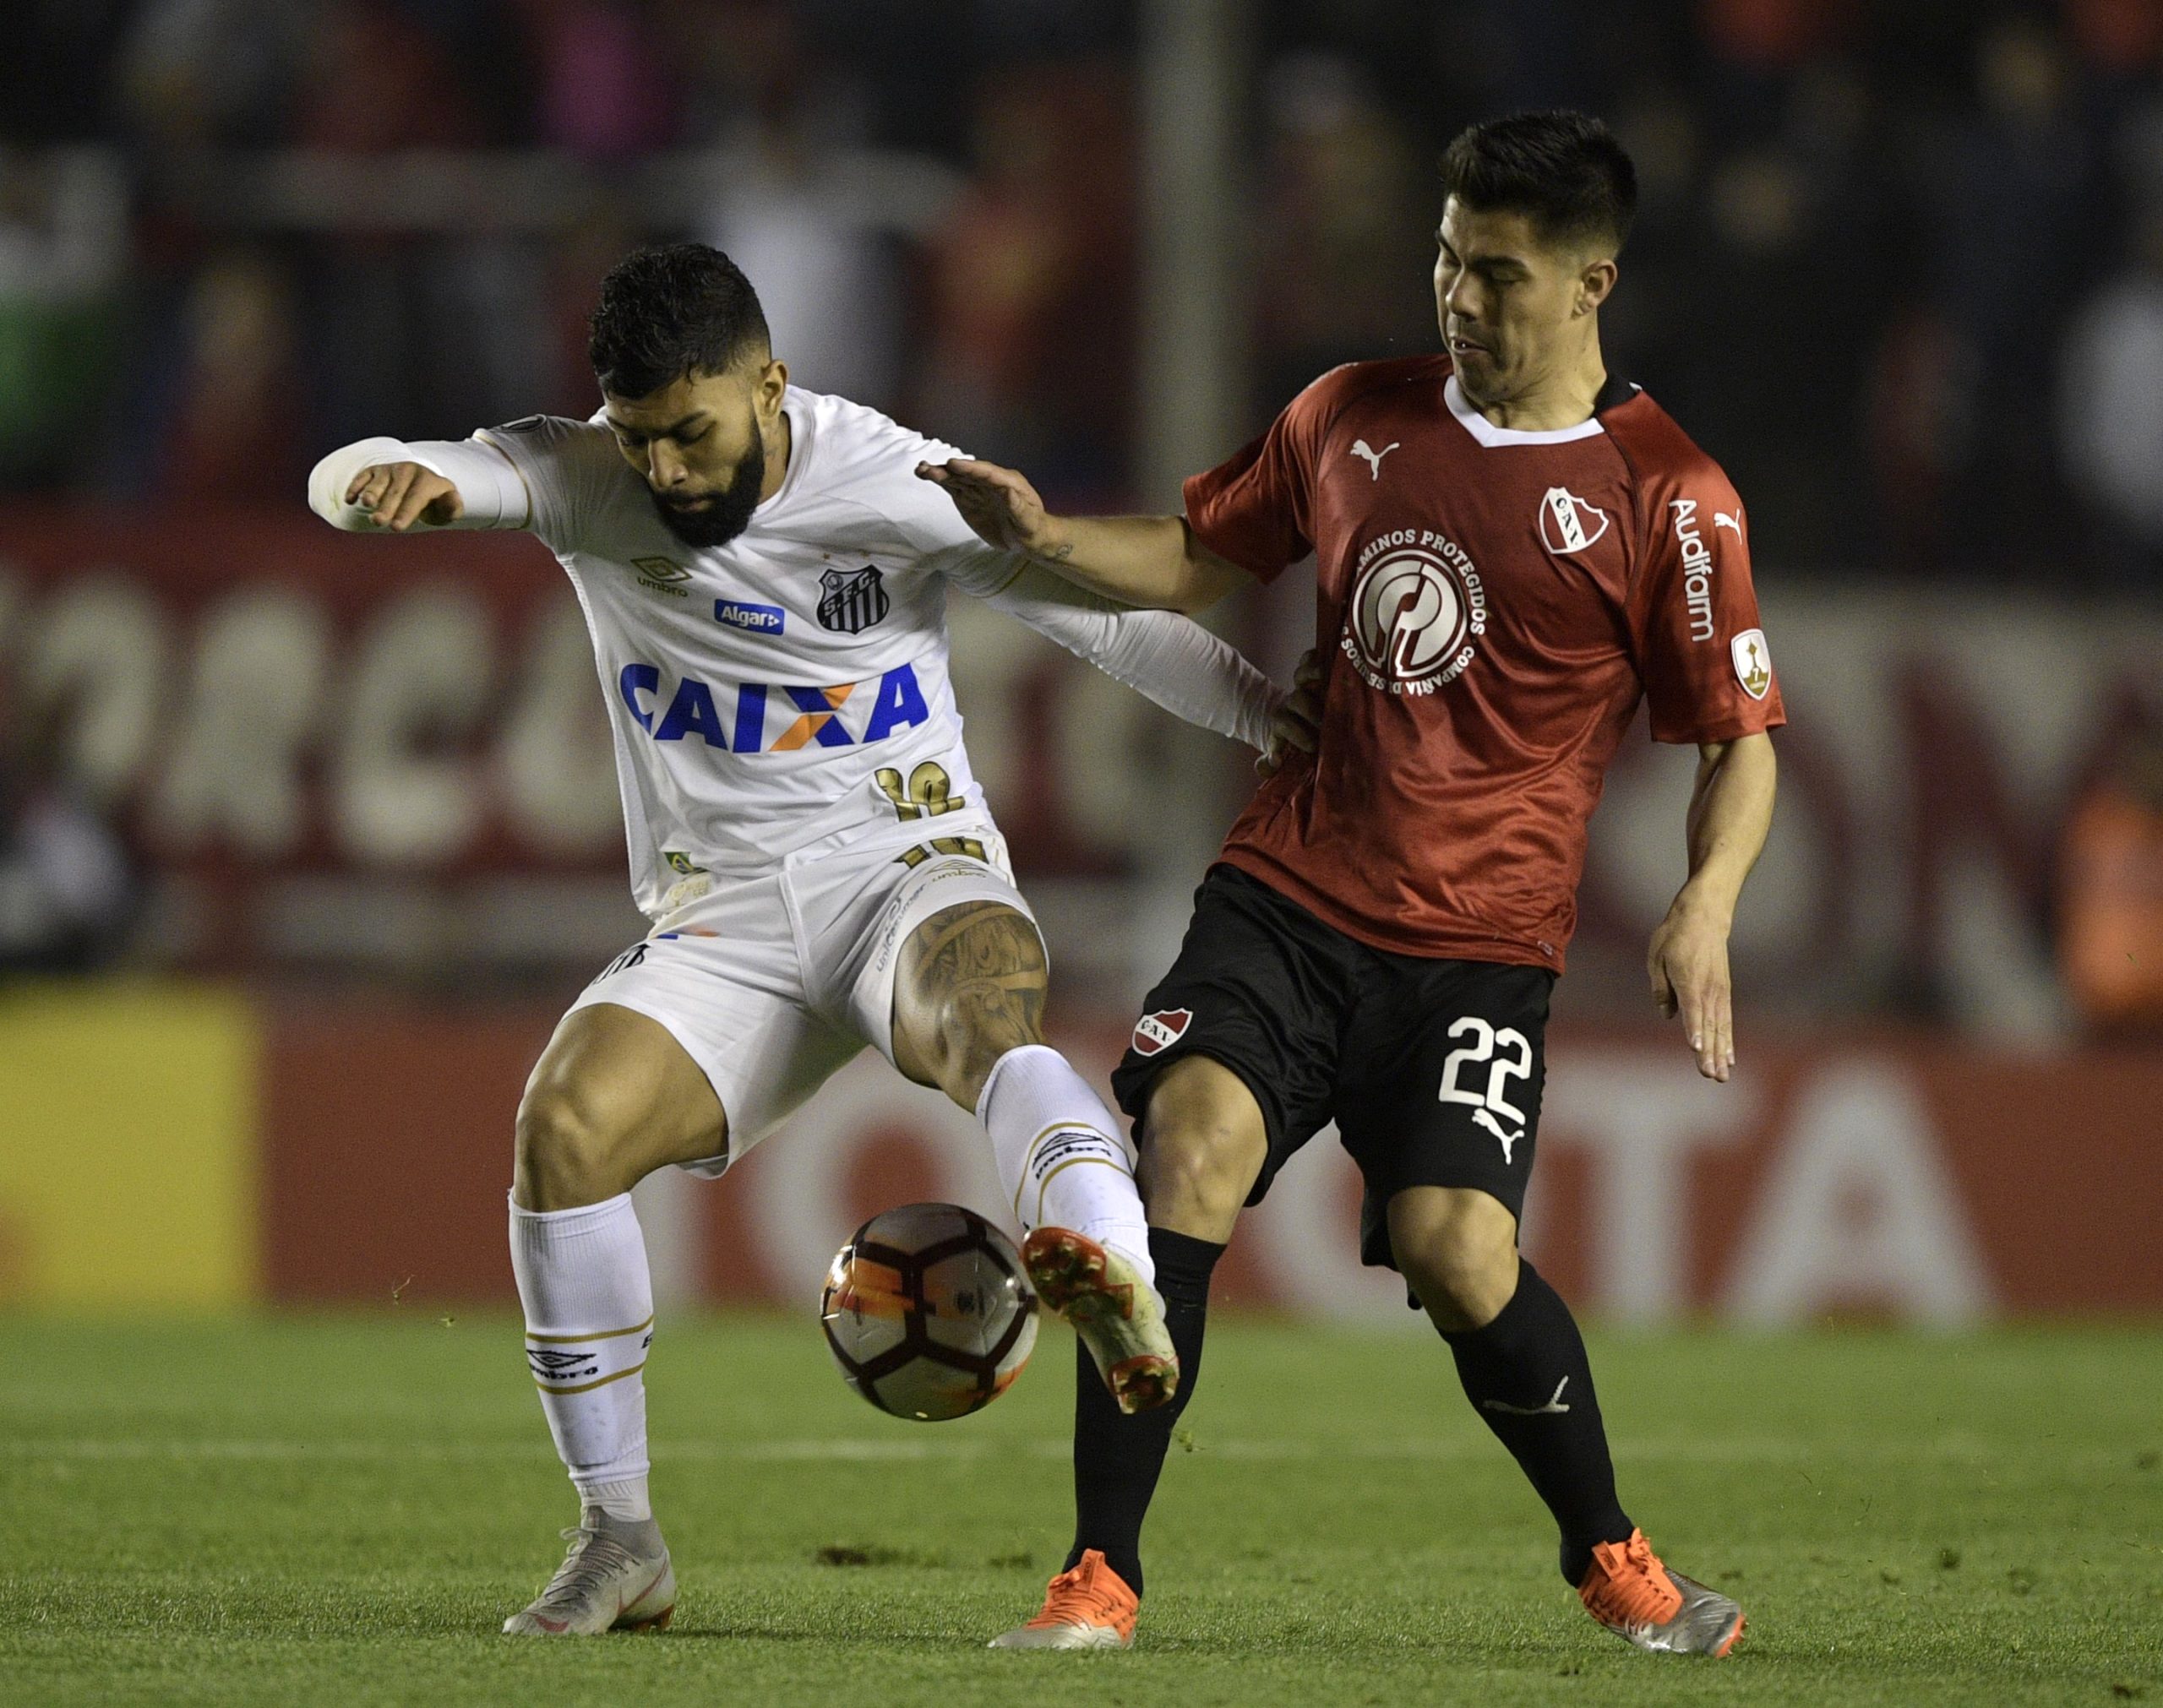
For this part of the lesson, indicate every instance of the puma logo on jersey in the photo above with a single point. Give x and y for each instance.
(1553, 1405)
(1360, 449)
(1722, 520)
(773, 717)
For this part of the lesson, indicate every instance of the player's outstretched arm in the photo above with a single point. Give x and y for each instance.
(384, 485)
(1151, 561)
(1730, 811)
(1164, 656)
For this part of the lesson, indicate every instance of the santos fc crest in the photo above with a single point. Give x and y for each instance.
(852, 600)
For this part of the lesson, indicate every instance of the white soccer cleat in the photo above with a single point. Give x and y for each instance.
(1118, 1314)
(602, 1585)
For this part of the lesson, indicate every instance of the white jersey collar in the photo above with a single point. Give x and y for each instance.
(1488, 433)
(797, 407)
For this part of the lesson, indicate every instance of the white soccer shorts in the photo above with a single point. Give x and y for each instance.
(771, 982)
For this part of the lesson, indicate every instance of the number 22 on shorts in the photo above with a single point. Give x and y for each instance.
(1508, 1054)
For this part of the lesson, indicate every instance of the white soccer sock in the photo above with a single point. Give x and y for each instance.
(1058, 1153)
(588, 1295)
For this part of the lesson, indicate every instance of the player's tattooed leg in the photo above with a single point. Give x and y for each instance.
(971, 988)
(968, 1015)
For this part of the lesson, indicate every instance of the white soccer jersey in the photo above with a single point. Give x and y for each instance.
(791, 686)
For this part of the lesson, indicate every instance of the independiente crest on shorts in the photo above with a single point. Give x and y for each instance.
(1417, 610)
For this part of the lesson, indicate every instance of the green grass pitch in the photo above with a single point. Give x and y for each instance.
(341, 1509)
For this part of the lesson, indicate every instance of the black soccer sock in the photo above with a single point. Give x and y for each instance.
(1528, 1376)
(1117, 1458)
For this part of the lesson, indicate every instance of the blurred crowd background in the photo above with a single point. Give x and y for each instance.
(1899, 268)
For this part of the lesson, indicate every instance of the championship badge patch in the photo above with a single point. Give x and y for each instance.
(1753, 663)
(1160, 1031)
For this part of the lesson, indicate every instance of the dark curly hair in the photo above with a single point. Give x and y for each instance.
(671, 312)
(1565, 170)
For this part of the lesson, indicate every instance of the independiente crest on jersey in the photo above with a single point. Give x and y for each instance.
(852, 600)
(1417, 609)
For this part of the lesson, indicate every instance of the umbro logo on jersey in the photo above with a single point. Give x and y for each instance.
(1568, 524)
(1156, 1032)
(661, 575)
(1361, 448)
(757, 619)
(853, 600)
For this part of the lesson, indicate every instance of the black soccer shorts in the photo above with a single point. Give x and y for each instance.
(1432, 1069)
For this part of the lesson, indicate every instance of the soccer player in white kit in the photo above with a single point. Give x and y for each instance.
(765, 580)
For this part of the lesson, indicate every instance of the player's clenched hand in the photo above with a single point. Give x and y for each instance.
(999, 503)
(1297, 723)
(397, 495)
(1688, 964)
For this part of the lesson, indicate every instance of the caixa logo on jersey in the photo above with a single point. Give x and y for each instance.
(762, 717)
(1417, 609)
(852, 600)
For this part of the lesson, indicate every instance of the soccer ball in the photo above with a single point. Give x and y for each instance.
(928, 1312)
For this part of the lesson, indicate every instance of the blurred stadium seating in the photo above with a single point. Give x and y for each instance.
(305, 839)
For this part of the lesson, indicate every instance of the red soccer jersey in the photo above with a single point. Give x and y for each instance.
(1490, 605)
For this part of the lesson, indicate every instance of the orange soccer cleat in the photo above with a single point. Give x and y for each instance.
(1088, 1607)
(1640, 1601)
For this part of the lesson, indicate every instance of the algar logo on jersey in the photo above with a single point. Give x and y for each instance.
(760, 717)
(1417, 606)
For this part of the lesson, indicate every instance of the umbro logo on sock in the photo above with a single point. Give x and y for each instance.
(561, 1366)
(1554, 1404)
(1066, 1143)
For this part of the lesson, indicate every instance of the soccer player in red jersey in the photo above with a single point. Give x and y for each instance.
(1513, 547)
